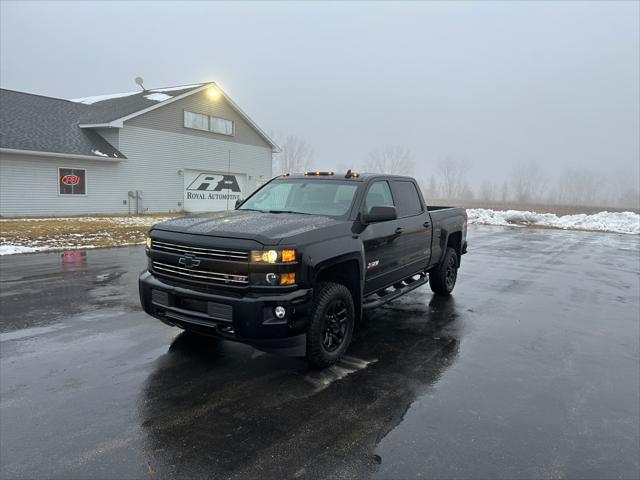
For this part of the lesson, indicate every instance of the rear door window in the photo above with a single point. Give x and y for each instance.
(407, 199)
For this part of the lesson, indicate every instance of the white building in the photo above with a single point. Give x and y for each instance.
(170, 149)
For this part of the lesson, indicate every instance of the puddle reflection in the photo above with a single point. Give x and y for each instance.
(221, 408)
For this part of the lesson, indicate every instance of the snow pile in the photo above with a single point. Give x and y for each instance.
(158, 97)
(99, 153)
(617, 222)
(100, 98)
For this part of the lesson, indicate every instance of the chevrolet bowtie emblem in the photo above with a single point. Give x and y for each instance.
(189, 261)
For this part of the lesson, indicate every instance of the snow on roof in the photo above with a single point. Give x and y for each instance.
(173, 89)
(99, 153)
(158, 97)
(100, 98)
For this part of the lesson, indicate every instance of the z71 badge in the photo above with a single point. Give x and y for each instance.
(373, 264)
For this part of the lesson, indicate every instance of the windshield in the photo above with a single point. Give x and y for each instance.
(313, 197)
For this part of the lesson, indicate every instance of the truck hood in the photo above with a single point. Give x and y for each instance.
(267, 228)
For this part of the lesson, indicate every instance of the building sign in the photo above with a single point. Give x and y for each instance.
(72, 181)
(212, 191)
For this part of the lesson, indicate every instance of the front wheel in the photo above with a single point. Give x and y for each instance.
(331, 325)
(443, 278)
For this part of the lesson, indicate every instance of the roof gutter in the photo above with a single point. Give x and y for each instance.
(72, 156)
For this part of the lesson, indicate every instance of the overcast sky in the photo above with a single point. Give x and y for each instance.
(493, 84)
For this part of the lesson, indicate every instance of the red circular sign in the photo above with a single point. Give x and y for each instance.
(71, 180)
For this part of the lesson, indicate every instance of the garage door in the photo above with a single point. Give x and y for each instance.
(212, 191)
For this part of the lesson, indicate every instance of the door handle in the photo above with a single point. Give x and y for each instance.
(426, 224)
(399, 230)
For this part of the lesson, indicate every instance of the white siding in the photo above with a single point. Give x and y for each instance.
(29, 185)
(159, 155)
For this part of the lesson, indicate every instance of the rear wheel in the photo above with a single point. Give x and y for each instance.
(443, 278)
(331, 325)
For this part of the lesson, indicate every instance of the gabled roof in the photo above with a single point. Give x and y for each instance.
(109, 108)
(34, 123)
(113, 110)
(50, 125)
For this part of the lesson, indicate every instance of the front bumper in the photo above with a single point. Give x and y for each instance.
(247, 319)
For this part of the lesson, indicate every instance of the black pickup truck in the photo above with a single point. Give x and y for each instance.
(294, 266)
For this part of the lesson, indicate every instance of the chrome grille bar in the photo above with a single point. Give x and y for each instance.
(200, 274)
(199, 251)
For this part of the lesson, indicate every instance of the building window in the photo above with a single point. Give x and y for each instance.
(200, 121)
(72, 181)
(221, 125)
(196, 120)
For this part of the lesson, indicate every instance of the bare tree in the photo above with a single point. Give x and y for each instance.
(580, 187)
(453, 178)
(295, 155)
(527, 182)
(504, 191)
(392, 159)
(488, 191)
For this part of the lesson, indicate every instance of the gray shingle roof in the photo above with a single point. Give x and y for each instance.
(44, 124)
(107, 108)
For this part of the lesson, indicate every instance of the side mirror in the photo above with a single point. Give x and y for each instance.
(239, 202)
(380, 214)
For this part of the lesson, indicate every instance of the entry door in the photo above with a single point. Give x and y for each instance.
(206, 191)
(383, 245)
(414, 221)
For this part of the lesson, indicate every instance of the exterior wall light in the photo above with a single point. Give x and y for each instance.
(213, 93)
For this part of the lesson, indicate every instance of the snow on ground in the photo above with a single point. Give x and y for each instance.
(173, 89)
(617, 222)
(100, 98)
(158, 97)
(28, 235)
(132, 221)
(9, 249)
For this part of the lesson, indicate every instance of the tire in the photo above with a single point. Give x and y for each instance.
(442, 279)
(331, 325)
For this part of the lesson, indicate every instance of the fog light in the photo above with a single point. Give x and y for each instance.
(272, 278)
(280, 311)
(288, 279)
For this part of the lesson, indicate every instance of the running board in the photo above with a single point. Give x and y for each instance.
(374, 301)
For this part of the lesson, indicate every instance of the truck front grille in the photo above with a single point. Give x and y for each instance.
(235, 255)
(198, 275)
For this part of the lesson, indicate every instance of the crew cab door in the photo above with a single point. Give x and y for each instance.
(415, 222)
(383, 245)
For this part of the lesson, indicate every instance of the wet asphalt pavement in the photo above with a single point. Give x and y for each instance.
(530, 370)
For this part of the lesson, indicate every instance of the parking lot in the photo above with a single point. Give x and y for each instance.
(531, 369)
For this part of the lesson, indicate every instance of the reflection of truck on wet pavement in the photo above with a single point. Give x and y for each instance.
(292, 268)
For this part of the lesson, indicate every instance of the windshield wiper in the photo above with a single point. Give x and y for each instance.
(287, 211)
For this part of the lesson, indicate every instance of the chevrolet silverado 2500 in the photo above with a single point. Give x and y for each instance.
(294, 266)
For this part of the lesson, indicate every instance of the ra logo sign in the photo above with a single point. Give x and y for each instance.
(206, 182)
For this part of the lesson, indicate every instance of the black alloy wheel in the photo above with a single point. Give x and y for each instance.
(334, 328)
(451, 272)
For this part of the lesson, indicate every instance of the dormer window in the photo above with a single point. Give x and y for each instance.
(199, 121)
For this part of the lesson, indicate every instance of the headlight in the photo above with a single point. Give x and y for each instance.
(273, 256)
(148, 242)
